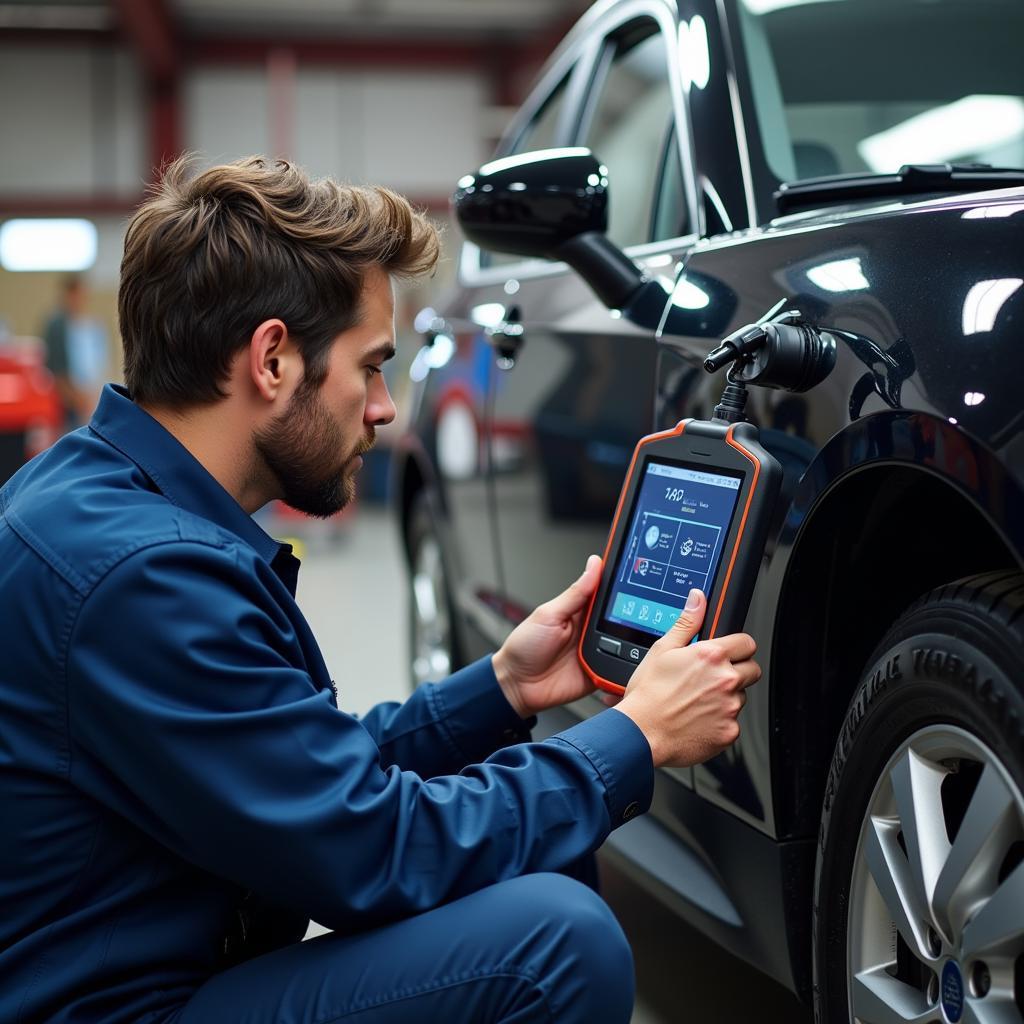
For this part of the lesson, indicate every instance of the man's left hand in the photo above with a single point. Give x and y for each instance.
(537, 666)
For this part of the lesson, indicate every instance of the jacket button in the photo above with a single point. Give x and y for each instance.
(630, 811)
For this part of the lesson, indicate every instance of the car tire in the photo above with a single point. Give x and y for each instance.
(919, 881)
(433, 646)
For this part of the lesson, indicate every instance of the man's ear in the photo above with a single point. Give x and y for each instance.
(273, 360)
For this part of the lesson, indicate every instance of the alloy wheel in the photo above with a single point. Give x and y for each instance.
(935, 930)
(431, 623)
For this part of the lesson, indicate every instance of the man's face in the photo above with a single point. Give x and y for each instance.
(313, 448)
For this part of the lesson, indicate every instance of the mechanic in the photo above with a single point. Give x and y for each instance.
(178, 789)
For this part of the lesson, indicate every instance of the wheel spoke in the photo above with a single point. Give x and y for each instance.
(426, 601)
(917, 786)
(892, 875)
(991, 1011)
(879, 998)
(910, 879)
(998, 926)
(970, 871)
(431, 628)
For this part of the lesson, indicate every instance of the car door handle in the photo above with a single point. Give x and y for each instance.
(507, 337)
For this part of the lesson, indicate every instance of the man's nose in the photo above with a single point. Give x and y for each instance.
(380, 409)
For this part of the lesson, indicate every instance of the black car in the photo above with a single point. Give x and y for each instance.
(684, 168)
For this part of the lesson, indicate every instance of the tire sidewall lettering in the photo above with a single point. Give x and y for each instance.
(930, 670)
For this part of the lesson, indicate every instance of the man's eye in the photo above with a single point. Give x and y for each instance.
(373, 370)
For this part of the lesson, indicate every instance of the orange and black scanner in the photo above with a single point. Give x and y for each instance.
(694, 512)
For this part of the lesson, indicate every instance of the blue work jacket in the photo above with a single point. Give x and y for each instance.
(173, 761)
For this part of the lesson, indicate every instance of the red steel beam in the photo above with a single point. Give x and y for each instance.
(57, 37)
(164, 123)
(147, 25)
(370, 53)
(100, 205)
(64, 205)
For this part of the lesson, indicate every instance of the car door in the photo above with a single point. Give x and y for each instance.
(457, 369)
(575, 385)
(578, 392)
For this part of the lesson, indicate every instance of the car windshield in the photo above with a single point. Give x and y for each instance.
(855, 86)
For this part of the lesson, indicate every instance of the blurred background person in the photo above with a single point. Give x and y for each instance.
(77, 352)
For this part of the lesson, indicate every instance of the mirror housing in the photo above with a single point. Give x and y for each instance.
(530, 204)
(550, 204)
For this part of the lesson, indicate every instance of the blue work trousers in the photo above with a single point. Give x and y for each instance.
(542, 947)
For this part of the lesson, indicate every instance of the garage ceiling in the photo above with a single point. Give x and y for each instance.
(448, 18)
(338, 19)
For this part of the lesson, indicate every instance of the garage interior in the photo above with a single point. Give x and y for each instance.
(411, 94)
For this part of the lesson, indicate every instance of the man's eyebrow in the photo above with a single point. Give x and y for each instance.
(384, 351)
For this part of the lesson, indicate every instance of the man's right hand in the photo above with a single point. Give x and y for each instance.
(685, 699)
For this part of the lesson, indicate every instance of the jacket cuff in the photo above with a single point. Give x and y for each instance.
(621, 756)
(474, 712)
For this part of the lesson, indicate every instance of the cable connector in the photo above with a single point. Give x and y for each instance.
(732, 404)
(737, 346)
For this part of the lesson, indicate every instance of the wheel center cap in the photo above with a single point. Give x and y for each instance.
(952, 998)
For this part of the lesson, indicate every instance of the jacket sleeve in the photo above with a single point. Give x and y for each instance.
(445, 726)
(189, 717)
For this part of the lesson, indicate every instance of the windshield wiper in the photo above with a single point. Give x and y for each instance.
(910, 179)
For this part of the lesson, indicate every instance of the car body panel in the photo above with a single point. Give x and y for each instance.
(919, 414)
(915, 320)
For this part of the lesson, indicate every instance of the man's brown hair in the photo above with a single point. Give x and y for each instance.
(210, 256)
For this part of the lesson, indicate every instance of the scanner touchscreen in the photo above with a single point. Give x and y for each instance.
(679, 526)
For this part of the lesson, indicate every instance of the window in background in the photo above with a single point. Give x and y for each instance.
(632, 117)
(540, 133)
(935, 82)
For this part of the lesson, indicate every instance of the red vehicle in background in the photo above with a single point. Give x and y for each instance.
(31, 415)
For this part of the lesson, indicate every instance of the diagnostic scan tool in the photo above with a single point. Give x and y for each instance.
(695, 510)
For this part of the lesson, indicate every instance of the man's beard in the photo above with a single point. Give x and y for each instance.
(303, 448)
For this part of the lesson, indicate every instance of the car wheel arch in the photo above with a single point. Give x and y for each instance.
(819, 647)
(411, 476)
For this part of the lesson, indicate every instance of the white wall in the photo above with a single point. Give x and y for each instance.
(417, 132)
(71, 121)
(225, 113)
(73, 124)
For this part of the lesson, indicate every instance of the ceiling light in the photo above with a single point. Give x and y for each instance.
(694, 52)
(983, 302)
(967, 127)
(48, 244)
(489, 314)
(686, 295)
(839, 276)
(509, 162)
(764, 6)
(432, 357)
(987, 212)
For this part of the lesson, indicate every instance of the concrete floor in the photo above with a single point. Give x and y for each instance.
(352, 591)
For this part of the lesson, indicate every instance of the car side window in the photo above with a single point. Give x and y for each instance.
(540, 133)
(630, 122)
(671, 217)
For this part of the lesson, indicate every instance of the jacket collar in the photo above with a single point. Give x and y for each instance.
(180, 477)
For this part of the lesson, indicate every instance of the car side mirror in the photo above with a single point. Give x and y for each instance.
(550, 204)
